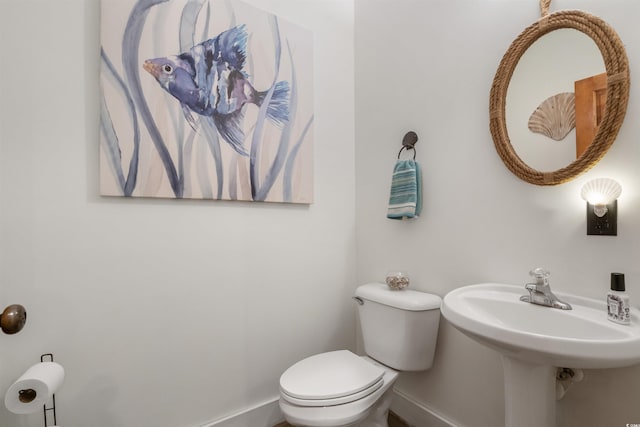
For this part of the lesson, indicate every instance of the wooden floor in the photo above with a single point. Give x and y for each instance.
(394, 421)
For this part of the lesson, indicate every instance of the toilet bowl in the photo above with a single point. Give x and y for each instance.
(339, 388)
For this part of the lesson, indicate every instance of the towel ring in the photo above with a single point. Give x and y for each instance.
(408, 143)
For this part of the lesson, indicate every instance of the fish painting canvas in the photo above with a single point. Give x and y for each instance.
(205, 99)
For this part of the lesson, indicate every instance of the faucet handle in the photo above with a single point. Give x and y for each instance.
(540, 273)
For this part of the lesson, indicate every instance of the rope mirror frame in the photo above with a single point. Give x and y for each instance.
(617, 70)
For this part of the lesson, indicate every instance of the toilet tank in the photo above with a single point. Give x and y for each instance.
(399, 327)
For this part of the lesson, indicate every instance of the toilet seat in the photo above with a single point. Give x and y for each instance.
(335, 401)
(347, 414)
(332, 378)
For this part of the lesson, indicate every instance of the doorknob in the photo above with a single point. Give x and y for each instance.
(13, 318)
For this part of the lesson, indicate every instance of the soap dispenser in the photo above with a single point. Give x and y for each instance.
(618, 301)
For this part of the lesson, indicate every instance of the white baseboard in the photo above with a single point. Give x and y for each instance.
(417, 414)
(266, 414)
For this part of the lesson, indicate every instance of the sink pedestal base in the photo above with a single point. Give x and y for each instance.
(530, 393)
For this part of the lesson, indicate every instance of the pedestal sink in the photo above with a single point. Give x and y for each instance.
(534, 340)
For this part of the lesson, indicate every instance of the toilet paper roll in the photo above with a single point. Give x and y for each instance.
(34, 388)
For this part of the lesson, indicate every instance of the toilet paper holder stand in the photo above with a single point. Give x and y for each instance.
(51, 409)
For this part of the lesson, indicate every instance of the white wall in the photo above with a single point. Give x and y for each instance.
(163, 312)
(427, 66)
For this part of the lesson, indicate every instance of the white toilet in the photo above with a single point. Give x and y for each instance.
(339, 388)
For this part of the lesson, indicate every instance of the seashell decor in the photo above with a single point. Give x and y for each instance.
(555, 117)
(397, 280)
(601, 191)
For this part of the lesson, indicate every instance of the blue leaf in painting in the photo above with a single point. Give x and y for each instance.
(130, 50)
(283, 147)
(110, 134)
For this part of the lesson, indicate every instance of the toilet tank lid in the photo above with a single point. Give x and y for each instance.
(405, 299)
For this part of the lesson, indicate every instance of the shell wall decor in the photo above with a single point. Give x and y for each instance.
(601, 191)
(555, 117)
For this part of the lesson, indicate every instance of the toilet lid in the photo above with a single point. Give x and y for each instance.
(332, 375)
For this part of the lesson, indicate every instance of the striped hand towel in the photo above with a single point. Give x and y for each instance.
(405, 200)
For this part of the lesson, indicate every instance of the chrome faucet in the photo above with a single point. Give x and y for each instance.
(540, 291)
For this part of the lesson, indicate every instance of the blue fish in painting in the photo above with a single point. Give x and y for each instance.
(209, 80)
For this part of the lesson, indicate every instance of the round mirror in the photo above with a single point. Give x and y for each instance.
(542, 81)
(541, 110)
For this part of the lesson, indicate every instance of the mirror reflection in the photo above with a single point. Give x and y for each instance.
(541, 91)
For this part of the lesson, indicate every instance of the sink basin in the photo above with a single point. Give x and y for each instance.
(579, 338)
(535, 340)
